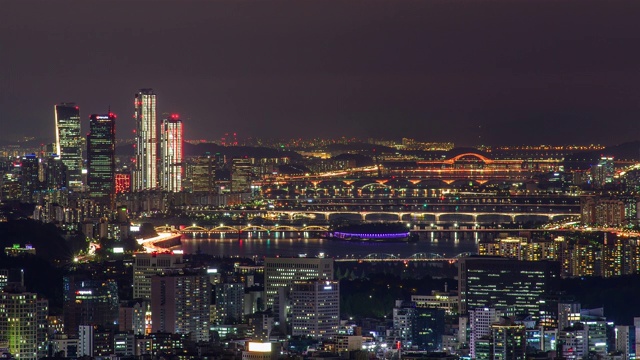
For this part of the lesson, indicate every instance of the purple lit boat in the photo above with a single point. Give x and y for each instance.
(383, 232)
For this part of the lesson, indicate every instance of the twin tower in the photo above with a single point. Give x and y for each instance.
(151, 171)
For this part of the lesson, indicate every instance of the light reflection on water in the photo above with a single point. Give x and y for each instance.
(293, 244)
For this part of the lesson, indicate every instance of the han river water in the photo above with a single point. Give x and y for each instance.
(294, 244)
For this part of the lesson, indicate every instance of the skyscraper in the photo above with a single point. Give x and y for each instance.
(101, 143)
(146, 168)
(69, 141)
(171, 154)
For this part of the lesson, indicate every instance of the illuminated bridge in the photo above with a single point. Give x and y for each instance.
(461, 215)
(225, 229)
(419, 257)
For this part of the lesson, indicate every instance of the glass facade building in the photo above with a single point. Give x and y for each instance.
(69, 142)
(486, 281)
(101, 143)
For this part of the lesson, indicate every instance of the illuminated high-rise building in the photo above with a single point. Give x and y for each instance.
(145, 175)
(101, 166)
(69, 141)
(171, 145)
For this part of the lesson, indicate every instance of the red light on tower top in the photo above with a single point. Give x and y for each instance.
(175, 116)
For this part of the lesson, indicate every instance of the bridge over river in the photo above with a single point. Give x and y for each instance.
(418, 257)
(320, 229)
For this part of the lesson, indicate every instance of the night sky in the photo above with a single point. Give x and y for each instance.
(469, 71)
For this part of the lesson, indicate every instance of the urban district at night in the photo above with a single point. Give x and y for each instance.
(309, 180)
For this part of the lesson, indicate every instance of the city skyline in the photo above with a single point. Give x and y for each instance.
(290, 69)
(389, 179)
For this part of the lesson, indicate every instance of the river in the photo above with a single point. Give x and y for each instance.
(294, 244)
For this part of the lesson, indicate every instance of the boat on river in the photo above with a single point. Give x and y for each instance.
(377, 232)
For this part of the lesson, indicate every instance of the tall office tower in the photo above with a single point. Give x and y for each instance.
(181, 304)
(69, 142)
(229, 303)
(23, 324)
(315, 308)
(519, 287)
(89, 302)
(145, 175)
(29, 177)
(101, 163)
(171, 145)
(480, 321)
(281, 273)
(146, 265)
